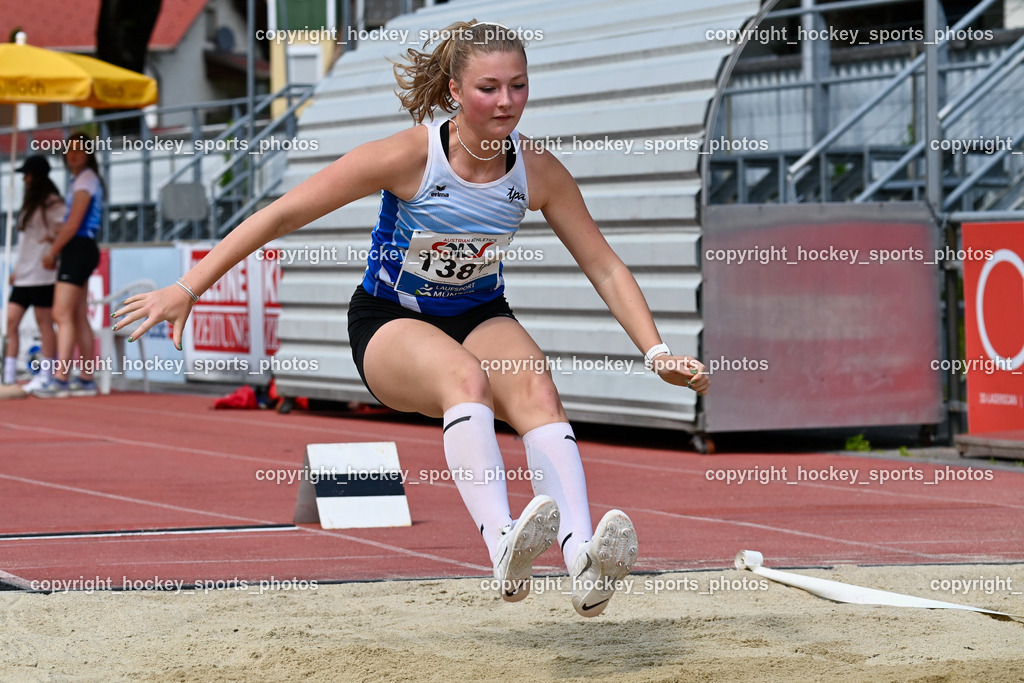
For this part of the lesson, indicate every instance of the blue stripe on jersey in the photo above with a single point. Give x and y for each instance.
(377, 262)
(444, 204)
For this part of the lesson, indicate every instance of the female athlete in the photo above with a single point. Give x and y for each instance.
(430, 314)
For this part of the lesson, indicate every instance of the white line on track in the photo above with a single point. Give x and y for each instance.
(144, 533)
(335, 431)
(128, 499)
(596, 507)
(265, 560)
(147, 444)
(876, 491)
(323, 532)
(791, 532)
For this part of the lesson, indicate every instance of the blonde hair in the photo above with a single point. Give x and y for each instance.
(424, 80)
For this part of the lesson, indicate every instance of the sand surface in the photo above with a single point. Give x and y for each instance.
(455, 630)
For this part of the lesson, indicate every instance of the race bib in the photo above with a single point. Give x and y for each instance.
(445, 265)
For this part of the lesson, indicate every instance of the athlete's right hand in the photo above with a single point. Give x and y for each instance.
(683, 371)
(171, 303)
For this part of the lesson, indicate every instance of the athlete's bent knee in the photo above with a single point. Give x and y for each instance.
(466, 382)
(537, 395)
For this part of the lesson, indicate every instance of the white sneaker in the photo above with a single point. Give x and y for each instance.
(602, 563)
(54, 388)
(521, 543)
(80, 387)
(36, 383)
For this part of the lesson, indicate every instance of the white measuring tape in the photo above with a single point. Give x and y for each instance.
(848, 593)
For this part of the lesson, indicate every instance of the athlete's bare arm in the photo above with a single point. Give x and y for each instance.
(395, 164)
(554, 192)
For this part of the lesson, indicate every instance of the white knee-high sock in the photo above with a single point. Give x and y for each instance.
(471, 449)
(552, 451)
(10, 370)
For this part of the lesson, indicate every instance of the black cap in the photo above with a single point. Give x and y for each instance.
(36, 165)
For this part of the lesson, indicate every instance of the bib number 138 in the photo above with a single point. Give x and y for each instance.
(447, 268)
(446, 265)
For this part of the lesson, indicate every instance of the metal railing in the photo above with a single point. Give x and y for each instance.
(970, 95)
(847, 165)
(151, 160)
(817, 150)
(232, 190)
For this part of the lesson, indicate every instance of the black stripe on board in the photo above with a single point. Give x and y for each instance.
(371, 483)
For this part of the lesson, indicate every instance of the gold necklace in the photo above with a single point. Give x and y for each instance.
(459, 136)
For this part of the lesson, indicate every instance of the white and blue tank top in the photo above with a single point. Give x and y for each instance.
(440, 252)
(88, 181)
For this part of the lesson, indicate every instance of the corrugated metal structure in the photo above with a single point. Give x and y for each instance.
(603, 76)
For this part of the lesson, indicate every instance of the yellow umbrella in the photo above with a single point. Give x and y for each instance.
(33, 75)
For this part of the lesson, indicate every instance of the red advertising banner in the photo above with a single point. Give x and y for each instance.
(993, 258)
(271, 270)
(233, 327)
(220, 320)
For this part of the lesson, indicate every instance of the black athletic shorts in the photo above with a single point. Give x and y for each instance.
(40, 296)
(78, 259)
(368, 313)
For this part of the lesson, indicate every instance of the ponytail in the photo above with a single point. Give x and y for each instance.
(424, 79)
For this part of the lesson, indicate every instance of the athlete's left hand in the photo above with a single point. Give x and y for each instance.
(683, 371)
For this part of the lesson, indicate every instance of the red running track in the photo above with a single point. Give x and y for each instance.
(157, 462)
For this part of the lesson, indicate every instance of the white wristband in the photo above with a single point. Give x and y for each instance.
(654, 352)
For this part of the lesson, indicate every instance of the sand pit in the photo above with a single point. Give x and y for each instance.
(453, 630)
